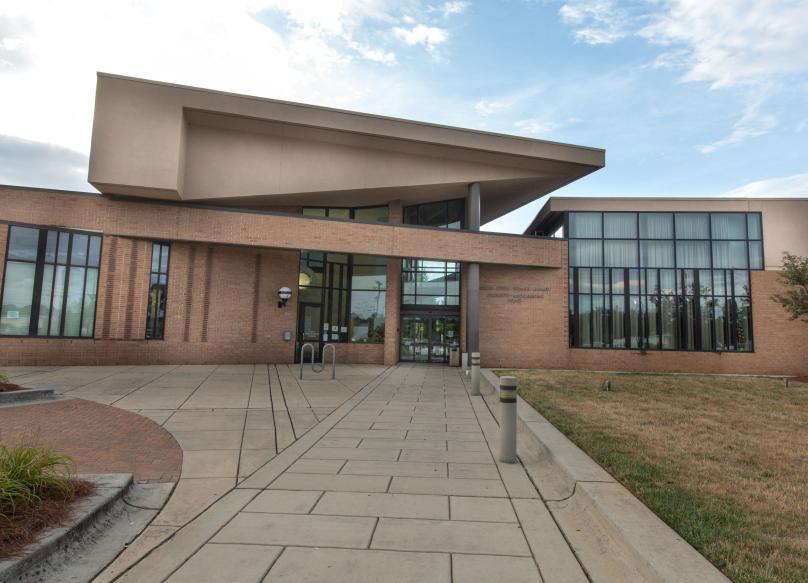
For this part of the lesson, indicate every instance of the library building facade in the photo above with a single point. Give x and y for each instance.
(233, 229)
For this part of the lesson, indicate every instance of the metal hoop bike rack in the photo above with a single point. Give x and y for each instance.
(319, 367)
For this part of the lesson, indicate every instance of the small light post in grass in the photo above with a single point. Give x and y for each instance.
(606, 386)
(785, 382)
(507, 420)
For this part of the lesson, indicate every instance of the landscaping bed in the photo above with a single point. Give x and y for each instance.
(721, 459)
(6, 386)
(37, 492)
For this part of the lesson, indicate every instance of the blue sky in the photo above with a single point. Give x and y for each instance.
(688, 97)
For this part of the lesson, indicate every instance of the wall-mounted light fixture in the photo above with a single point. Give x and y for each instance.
(284, 294)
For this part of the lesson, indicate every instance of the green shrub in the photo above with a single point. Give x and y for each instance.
(3, 378)
(27, 472)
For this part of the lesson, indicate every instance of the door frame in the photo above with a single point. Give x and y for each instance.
(430, 316)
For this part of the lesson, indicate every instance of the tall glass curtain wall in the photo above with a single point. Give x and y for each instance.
(430, 291)
(342, 297)
(665, 281)
(158, 291)
(50, 283)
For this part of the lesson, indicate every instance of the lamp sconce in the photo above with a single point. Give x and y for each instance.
(284, 294)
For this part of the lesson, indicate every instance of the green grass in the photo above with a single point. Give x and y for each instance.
(27, 472)
(722, 460)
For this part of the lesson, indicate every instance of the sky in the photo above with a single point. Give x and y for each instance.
(687, 97)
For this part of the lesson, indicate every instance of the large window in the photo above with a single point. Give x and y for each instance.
(158, 289)
(430, 283)
(665, 281)
(343, 296)
(50, 283)
(446, 214)
(369, 214)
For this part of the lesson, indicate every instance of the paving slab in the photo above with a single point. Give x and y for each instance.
(481, 509)
(344, 453)
(383, 505)
(449, 536)
(385, 468)
(297, 565)
(448, 486)
(490, 568)
(307, 530)
(227, 562)
(285, 502)
(338, 483)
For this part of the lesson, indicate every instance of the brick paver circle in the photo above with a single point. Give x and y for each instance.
(100, 438)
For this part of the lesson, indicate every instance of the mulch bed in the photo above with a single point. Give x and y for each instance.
(27, 524)
(8, 387)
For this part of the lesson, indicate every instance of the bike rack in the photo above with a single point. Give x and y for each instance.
(318, 368)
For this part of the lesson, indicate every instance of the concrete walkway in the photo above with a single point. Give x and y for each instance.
(397, 484)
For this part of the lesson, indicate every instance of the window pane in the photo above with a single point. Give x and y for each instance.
(378, 214)
(620, 253)
(620, 225)
(743, 325)
(90, 294)
(45, 302)
(667, 280)
(95, 252)
(719, 308)
(692, 226)
(367, 316)
(18, 293)
(599, 320)
(369, 277)
(432, 214)
(729, 225)
(50, 247)
(706, 323)
(585, 225)
(75, 299)
(584, 321)
(163, 258)
(23, 243)
(634, 321)
(61, 253)
(755, 255)
(314, 212)
(730, 254)
(584, 277)
(78, 254)
(656, 253)
(58, 300)
(155, 258)
(753, 228)
(598, 283)
(586, 253)
(705, 282)
(618, 321)
(719, 286)
(618, 281)
(455, 213)
(692, 254)
(411, 215)
(670, 328)
(741, 283)
(652, 309)
(339, 213)
(656, 226)
(687, 310)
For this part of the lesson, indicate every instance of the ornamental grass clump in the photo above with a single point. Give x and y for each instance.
(36, 489)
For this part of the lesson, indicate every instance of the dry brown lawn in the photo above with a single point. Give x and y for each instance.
(722, 459)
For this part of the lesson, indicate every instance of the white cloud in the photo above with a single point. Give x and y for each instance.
(429, 36)
(453, 7)
(484, 107)
(782, 187)
(320, 51)
(732, 42)
(595, 21)
(535, 126)
(752, 123)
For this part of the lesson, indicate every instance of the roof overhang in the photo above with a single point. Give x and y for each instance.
(172, 142)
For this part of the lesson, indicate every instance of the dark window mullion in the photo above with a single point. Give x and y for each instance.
(68, 268)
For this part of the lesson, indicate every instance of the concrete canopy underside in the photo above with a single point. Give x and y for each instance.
(170, 142)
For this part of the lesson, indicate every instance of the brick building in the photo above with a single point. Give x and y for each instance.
(212, 203)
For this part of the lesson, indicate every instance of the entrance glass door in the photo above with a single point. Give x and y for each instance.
(308, 321)
(427, 338)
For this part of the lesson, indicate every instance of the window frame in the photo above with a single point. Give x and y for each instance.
(39, 269)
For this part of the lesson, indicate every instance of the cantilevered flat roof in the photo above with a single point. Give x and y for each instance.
(160, 140)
